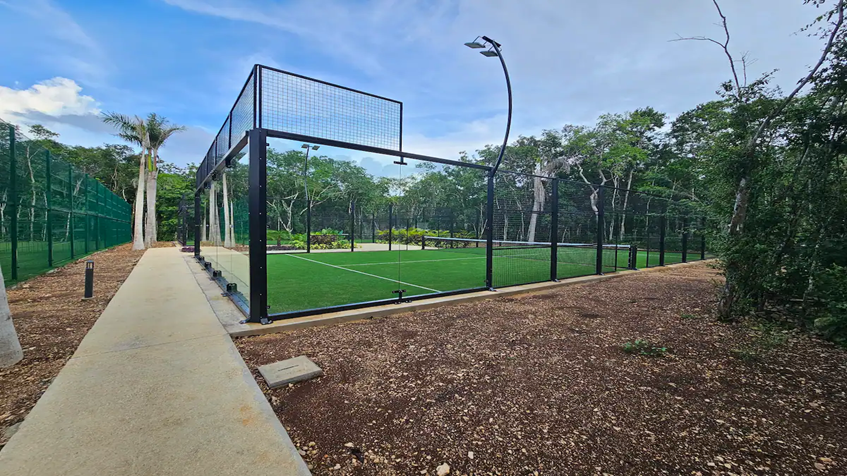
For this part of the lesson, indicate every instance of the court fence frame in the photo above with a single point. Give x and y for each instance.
(259, 115)
(51, 213)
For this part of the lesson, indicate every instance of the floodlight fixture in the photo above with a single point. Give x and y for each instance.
(316, 147)
(475, 44)
(304, 146)
(489, 52)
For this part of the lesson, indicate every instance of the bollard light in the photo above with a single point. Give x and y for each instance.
(89, 280)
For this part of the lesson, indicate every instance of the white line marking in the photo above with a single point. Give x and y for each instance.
(366, 274)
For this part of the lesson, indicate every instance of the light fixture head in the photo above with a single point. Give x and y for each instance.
(489, 53)
(316, 147)
(304, 146)
(474, 45)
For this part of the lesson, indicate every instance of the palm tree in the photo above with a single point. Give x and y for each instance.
(134, 130)
(160, 130)
(10, 346)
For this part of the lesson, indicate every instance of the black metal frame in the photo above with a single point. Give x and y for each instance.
(255, 305)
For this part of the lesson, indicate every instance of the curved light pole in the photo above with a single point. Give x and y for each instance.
(492, 51)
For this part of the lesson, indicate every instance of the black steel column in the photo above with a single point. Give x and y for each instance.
(48, 196)
(703, 238)
(373, 227)
(390, 224)
(13, 200)
(554, 232)
(352, 226)
(684, 241)
(601, 218)
(489, 236)
(662, 226)
(197, 213)
(257, 195)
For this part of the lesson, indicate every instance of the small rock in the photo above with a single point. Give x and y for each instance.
(348, 445)
(470, 454)
(337, 467)
(819, 467)
(443, 470)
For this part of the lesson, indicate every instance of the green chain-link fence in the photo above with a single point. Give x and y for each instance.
(50, 212)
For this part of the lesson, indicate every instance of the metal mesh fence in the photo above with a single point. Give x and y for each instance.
(300, 105)
(50, 212)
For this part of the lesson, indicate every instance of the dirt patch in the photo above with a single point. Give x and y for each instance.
(51, 319)
(539, 385)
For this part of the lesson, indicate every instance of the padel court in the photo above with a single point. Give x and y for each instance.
(303, 281)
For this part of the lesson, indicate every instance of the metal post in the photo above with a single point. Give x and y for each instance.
(197, 213)
(13, 200)
(99, 213)
(257, 195)
(87, 222)
(554, 232)
(48, 195)
(662, 240)
(684, 241)
(373, 227)
(489, 236)
(308, 226)
(633, 256)
(71, 206)
(601, 218)
(703, 238)
(352, 226)
(390, 224)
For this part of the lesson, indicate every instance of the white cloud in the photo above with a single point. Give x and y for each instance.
(53, 97)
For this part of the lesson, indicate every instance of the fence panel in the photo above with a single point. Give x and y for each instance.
(50, 212)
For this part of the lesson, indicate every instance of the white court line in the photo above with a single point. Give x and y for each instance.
(366, 274)
(416, 261)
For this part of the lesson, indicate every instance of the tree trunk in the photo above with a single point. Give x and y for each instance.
(138, 230)
(537, 202)
(150, 238)
(10, 347)
(622, 230)
(214, 218)
(227, 223)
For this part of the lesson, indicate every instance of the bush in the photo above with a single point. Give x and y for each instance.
(832, 294)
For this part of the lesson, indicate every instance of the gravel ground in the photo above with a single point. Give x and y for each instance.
(541, 384)
(51, 319)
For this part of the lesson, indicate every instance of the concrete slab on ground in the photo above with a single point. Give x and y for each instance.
(288, 371)
(156, 387)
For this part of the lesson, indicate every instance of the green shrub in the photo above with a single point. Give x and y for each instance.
(832, 293)
(644, 347)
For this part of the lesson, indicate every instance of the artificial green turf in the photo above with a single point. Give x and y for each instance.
(301, 281)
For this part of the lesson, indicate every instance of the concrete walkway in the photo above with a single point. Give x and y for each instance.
(156, 388)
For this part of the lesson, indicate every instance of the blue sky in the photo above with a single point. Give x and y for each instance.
(64, 61)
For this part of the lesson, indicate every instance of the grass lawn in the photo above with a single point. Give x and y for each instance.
(308, 281)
